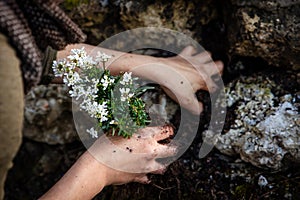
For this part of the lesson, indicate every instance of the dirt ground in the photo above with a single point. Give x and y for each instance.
(214, 177)
(38, 166)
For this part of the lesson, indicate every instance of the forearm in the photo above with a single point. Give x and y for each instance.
(84, 180)
(120, 62)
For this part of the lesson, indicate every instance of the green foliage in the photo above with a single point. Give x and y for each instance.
(124, 117)
(113, 100)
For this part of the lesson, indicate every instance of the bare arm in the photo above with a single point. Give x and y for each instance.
(82, 181)
(181, 76)
(88, 176)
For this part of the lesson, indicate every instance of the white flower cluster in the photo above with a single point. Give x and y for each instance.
(106, 81)
(102, 57)
(125, 91)
(92, 132)
(83, 74)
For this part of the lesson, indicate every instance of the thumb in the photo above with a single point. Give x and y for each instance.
(196, 107)
(188, 51)
(193, 105)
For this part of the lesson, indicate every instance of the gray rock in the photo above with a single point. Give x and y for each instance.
(266, 127)
(268, 29)
(48, 115)
(102, 20)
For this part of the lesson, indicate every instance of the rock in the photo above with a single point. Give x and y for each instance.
(268, 29)
(262, 181)
(101, 20)
(179, 15)
(48, 115)
(265, 128)
(160, 107)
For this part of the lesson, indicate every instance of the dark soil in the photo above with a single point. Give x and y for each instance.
(38, 166)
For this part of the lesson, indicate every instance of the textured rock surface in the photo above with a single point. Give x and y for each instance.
(268, 29)
(101, 20)
(38, 165)
(266, 128)
(48, 115)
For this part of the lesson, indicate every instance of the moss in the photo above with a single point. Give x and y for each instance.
(242, 191)
(70, 4)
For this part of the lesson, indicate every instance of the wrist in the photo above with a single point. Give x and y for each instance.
(129, 62)
(85, 179)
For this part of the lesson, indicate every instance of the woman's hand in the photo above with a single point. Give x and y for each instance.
(180, 76)
(131, 159)
(89, 174)
(197, 70)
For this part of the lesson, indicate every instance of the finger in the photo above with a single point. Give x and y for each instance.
(155, 166)
(197, 111)
(210, 85)
(142, 179)
(193, 105)
(163, 151)
(170, 93)
(188, 51)
(149, 132)
(203, 57)
(160, 171)
(213, 68)
(220, 66)
(165, 132)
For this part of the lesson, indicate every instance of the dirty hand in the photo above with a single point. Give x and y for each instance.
(193, 72)
(128, 160)
(180, 76)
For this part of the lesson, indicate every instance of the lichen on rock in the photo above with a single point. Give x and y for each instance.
(266, 127)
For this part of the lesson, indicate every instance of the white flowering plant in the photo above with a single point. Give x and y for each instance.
(113, 100)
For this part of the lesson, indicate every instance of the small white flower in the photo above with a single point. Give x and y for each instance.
(113, 122)
(77, 91)
(126, 78)
(88, 62)
(92, 132)
(262, 181)
(103, 118)
(58, 68)
(73, 57)
(80, 52)
(79, 58)
(102, 112)
(73, 78)
(77, 53)
(102, 57)
(85, 85)
(125, 94)
(94, 109)
(106, 81)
